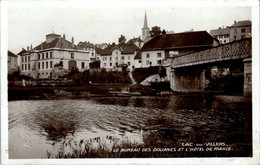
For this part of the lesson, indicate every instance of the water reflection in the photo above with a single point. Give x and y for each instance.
(158, 121)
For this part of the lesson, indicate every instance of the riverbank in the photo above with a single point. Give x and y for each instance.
(84, 91)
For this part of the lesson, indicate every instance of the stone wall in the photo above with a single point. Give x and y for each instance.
(248, 77)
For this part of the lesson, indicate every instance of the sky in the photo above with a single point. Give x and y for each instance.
(105, 22)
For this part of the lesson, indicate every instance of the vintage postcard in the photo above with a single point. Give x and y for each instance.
(130, 82)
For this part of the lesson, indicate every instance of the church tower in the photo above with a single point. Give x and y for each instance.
(145, 29)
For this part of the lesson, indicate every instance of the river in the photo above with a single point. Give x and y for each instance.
(37, 126)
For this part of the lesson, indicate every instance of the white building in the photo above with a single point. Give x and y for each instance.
(89, 47)
(12, 62)
(115, 55)
(222, 34)
(39, 62)
(163, 47)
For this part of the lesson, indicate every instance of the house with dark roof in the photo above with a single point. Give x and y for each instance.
(89, 47)
(166, 46)
(137, 41)
(114, 56)
(39, 62)
(240, 30)
(12, 62)
(222, 34)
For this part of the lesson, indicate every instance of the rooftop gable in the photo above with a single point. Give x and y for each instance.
(11, 54)
(241, 23)
(216, 32)
(179, 40)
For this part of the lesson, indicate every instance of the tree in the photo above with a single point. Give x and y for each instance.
(121, 39)
(156, 30)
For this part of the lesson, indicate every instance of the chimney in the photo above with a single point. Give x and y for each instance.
(235, 21)
(27, 48)
(64, 37)
(72, 41)
(31, 46)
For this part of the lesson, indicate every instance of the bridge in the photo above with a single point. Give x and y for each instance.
(226, 64)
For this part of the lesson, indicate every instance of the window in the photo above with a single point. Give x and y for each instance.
(50, 54)
(28, 58)
(104, 59)
(159, 54)
(147, 55)
(116, 58)
(39, 56)
(72, 55)
(42, 55)
(22, 59)
(224, 41)
(29, 67)
(235, 37)
(116, 52)
(46, 64)
(235, 31)
(42, 65)
(243, 36)
(147, 62)
(140, 61)
(50, 64)
(61, 63)
(25, 66)
(25, 58)
(116, 63)
(110, 58)
(128, 57)
(123, 58)
(243, 30)
(159, 62)
(82, 65)
(129, 63)
(22, 66)
(47, 55)
(105, 64)
(92, 54)
(39, 65)
(110, 63)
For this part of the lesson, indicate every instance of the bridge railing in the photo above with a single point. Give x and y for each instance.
(235, 50)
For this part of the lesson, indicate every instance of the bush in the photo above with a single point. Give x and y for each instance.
(141, 74)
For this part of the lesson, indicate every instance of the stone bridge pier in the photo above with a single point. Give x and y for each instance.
(247, 77)
(188, 79)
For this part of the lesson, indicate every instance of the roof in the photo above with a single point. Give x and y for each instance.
(133, 40)
(57, 43)
(125, 49)
(179, 40)
(241, 23)
(217, 32)
(22, 51)
(86, 45)
(11, 54)
(138, 55)
(100, 45)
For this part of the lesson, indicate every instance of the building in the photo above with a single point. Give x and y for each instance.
(40, 62)
(166, 46)
(112, 57)
(240, 30)
(12, 62)
(137, 41)
(222, 34)
(89, 47)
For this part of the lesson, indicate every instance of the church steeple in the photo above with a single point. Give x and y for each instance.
(145, 22)
(145, 29)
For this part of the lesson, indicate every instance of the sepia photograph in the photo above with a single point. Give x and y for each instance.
(110, 80)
